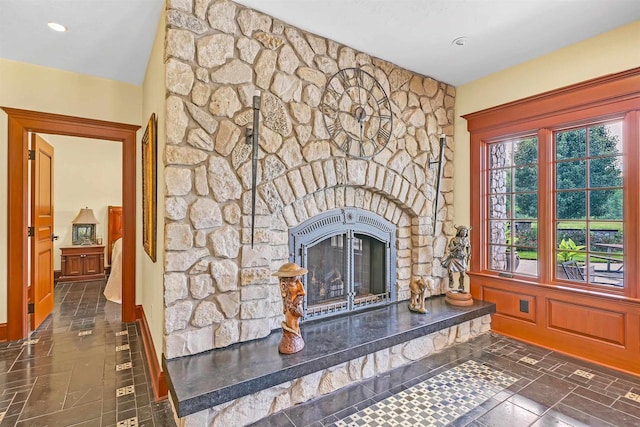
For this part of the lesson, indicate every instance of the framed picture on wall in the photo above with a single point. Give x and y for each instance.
(83, 234)
(149, 181)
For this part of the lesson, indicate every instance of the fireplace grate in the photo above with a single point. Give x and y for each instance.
(321, 223)
(326, 309)
(367, 219)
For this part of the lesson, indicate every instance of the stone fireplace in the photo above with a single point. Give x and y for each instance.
(218, 288)
(363, 228)
(351, 257)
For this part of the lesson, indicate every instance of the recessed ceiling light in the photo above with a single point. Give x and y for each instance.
(57, 27)
(460, 41)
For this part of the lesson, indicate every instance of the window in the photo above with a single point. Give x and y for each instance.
(513, 206)
(588, 212)
(557, 202)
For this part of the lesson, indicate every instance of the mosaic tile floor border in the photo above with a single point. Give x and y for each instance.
(551, 389)
(436, 401)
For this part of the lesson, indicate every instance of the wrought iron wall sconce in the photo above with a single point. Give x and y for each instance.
(251, 135)
(432, 163)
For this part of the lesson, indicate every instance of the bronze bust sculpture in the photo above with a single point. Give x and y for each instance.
(292, 291)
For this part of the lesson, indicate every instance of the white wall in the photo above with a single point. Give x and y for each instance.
(150, 276)
(32, 87)
(86, 173)
(608, 53)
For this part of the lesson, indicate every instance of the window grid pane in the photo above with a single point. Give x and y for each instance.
(588, 205)
(513, 206)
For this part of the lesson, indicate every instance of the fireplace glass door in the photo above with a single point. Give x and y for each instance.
(368, 270)
(346, 271)
(326, 281)
(350, 255)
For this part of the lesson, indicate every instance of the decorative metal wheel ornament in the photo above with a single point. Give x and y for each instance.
(357, 113)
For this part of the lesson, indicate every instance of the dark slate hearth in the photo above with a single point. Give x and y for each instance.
(208, 379)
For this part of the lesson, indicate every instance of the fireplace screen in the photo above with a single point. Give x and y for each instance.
(348, 254)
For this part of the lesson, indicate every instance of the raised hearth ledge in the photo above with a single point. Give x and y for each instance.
(205, 380)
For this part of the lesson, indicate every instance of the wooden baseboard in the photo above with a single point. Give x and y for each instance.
(3, 332)
(158, 379)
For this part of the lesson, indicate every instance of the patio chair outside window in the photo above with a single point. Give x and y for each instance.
(572, 271)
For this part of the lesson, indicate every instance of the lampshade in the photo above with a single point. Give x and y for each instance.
(85, 216)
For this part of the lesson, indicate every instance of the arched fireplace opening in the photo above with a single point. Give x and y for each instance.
(351, 257)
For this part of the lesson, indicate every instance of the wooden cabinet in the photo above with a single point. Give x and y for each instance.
(82, 263)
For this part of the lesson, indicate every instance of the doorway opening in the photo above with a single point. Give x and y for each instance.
(20, 124)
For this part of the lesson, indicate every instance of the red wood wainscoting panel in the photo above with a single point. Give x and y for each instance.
(587, 321)
(3, 332)
(158, 379)
(596, 328)
(508, 303)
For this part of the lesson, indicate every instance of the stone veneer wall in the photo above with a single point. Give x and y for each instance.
(251, 408)
(498, 205)
(218, 290)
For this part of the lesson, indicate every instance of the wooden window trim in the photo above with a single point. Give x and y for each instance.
(615, 95)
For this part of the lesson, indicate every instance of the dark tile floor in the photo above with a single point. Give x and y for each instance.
(490, 381)
(81, 367)
(84, 367)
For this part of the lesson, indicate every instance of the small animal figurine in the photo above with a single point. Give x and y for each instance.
(418, 286)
